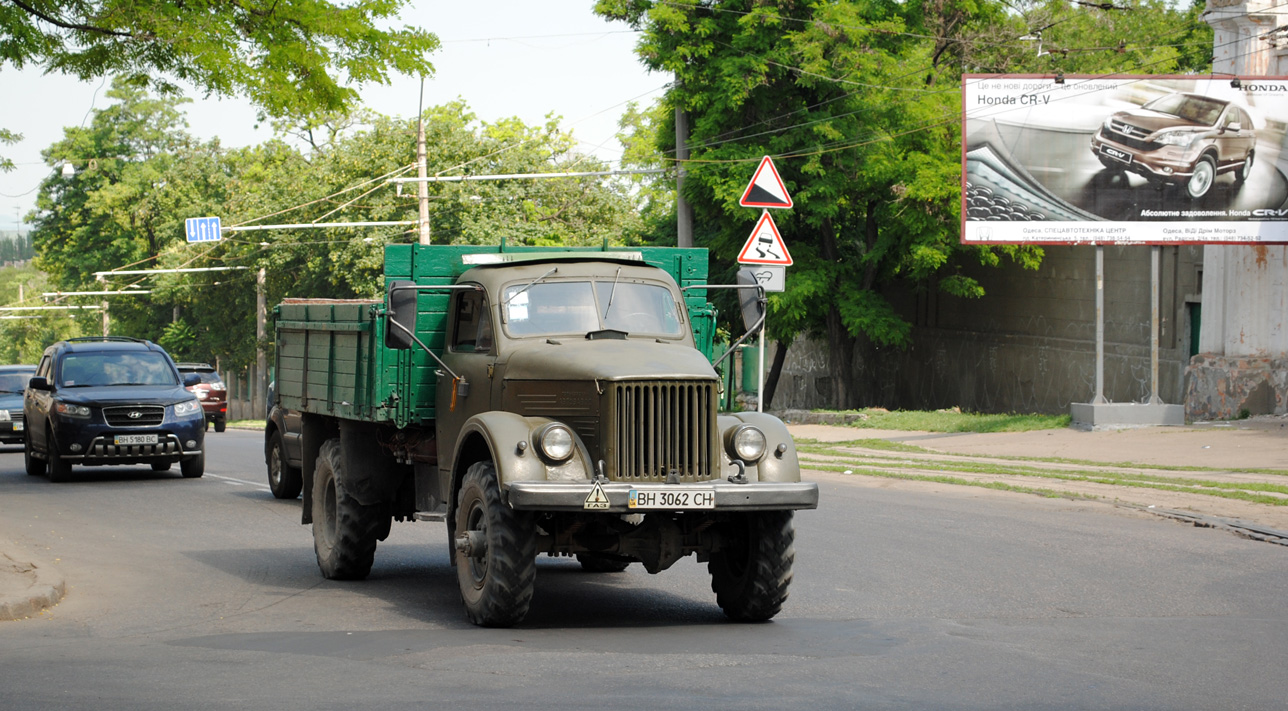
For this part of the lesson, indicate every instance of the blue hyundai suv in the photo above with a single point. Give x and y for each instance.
(111, 400)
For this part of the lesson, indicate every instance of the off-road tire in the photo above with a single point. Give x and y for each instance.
(284, 480)
(601, 563)
(497, 587)
(193, 468)
(344, 531)
(750, 576)
(160, 466)
(221, 425)
(35, 467)
(59, 469)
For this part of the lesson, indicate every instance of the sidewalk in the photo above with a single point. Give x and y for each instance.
(1240, 481)
(26, 587)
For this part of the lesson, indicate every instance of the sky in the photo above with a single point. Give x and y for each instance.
(503, 57)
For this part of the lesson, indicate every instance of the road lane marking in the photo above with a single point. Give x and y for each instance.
(239, 482)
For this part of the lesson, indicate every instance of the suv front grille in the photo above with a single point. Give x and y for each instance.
(134, 415)
(659, 427)
(1131, 136)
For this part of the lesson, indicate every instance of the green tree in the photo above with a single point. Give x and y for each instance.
(859, 105)
(290, 58)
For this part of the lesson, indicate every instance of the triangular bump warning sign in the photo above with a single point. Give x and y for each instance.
(765, 245)
(766, 189)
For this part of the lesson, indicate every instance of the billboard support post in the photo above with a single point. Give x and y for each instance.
(1100, 327)
(1155, 253)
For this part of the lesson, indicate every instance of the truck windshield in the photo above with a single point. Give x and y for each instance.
(563, 307)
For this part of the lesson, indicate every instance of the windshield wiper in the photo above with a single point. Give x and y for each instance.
(612, 293)
(529, 286)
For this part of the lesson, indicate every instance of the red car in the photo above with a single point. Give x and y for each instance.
(211, 392)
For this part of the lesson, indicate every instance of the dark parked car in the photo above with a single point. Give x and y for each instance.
(111, 400)
(282, 453)
(211, 392)
(13, 380)
(1182, 139)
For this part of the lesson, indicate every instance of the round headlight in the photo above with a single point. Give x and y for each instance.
(746, 442)
(556, 442)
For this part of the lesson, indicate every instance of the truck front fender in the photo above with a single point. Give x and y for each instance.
(508, 439)
(780, 462)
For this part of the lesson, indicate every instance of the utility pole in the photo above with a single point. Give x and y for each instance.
(261, 358)
(422, 167)
(683, 211)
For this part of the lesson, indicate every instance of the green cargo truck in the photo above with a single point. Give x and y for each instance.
(536, 400)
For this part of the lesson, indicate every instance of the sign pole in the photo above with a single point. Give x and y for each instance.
(1154, 269)
(760, 367)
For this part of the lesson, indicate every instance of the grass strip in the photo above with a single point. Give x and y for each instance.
(943, 479)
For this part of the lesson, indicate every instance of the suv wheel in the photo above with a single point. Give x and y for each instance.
(221, 425)
(284, 480)
(1242, 173)
(1201, 181)
(35, 467)
(59, 469)
(193, 468)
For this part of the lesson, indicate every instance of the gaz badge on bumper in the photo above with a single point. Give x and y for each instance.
(622, 497)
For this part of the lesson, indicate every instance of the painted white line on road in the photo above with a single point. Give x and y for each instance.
(238, 482)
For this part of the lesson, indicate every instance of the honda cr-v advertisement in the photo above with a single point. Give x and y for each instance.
(1124, 159)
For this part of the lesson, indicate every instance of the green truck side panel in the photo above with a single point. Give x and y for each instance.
(331, 357)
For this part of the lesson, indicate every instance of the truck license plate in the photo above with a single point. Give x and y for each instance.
(135, 439)
(672, 497)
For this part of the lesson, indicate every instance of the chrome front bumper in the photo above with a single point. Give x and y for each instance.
(573, 496)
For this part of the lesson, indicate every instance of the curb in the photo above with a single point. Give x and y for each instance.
(45, 588)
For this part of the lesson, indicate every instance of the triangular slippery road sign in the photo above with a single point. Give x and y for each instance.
(766, 189)
(765, 245)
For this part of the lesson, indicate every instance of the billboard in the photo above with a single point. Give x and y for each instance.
(1124, 160)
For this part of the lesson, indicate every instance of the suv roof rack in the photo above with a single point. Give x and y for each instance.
(86, 339)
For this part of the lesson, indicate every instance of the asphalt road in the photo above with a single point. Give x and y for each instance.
(204, 594)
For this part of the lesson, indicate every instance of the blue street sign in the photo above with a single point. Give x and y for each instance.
(202, 229)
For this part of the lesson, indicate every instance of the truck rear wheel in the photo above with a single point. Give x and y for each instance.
(344, 531)
(496, 551)
(750, 575)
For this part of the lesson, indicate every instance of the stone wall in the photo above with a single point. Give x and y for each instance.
(1028, 345)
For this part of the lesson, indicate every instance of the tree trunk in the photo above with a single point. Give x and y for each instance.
(775, 370)
(840, 343)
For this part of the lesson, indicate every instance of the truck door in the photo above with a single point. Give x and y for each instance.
(470, 352)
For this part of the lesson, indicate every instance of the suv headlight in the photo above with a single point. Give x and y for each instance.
(69, 410)
(555, 442)
(1176, 138)
(745, 442)
(184, 409)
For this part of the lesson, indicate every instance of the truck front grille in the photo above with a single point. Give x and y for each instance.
(660, 427)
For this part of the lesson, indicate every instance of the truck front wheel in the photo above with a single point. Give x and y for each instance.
(344, 531)
(496, 551)
(751, 572)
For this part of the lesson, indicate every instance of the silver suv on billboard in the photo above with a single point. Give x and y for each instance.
(1183, 139)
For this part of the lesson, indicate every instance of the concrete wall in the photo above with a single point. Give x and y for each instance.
(1029, 344)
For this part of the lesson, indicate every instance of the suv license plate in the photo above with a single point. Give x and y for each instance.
(17, 426)
(1115, 154)
(135, 439)
(672, 497)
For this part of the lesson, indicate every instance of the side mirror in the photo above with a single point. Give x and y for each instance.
(40, 382)
(400, 311)
(750, 300)
(190, 379)
(1236, 127)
